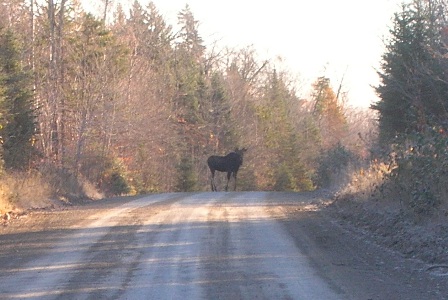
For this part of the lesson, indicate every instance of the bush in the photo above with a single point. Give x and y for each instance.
(414, 175)
(116, 185)
(23, 190)
(335, 167)
(284, 179)
(420, 173)
(186, 181)
(65, 185)
(108, 172)
(291, 175)
(114, 182)
(246, 180)
(367, 183)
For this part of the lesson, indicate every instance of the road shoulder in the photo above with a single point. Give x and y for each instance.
(350, 260)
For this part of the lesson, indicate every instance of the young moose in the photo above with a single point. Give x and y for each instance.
(229, 163)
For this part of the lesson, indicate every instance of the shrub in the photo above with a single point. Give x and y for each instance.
(114, 182)
(108, 172)
(335, 166)
(23, 190)
(419, 172)
(284, 179)
(367, 182)
(186, 180)
(117, 185)
(65, 185)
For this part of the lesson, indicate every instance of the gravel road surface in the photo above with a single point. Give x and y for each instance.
(243, 245)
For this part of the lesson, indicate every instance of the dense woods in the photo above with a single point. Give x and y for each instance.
(401, 198)
(413, 107)
(124, 102)
(121, 103)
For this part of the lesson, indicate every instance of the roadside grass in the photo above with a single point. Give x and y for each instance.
(402, 202)
(48, 187)
(412, 177)
(365, 183)
(23, 190)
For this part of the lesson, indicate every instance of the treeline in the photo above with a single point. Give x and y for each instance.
(132, 106)
(413, 108)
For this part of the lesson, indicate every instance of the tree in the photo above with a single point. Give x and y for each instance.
(285, 166)
(413, 90)
(189, 69)
(132, 91)
(222, 132)
(191, 42)
(94, 66)
(146, 124)
(328, 113)
(56, 101)
(186, 179)
(18, 124)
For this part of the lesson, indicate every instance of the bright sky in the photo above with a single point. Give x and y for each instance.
(314, 37)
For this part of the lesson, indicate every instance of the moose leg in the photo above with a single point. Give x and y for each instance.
(212, 181)
(228, 179)
(234, 183)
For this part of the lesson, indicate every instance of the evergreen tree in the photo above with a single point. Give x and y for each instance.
(189, 70)
(18, 125)
(281, 140)
(328, 113)
(191, 41)
(223, 130)
(186, 180)
(94, 65)
(413, 90)
(159, 37)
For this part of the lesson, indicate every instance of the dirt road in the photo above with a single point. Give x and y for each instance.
(202, 246)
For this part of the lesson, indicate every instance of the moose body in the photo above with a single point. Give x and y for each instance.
(229, 163)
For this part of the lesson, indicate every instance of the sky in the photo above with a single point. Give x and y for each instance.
(341, 39)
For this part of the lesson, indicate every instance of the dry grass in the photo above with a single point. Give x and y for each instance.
(21, 191)
(364, 183)
(67, 187)
(379, 202)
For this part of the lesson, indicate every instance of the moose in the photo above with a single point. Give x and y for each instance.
(229, 163)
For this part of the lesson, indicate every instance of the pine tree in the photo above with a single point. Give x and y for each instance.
(186, 180)
(18, 125)
(191, 41)
(328, 113)
(223, 132)
(188, 68)
(281, 141)
(413, 90)
(94, 64)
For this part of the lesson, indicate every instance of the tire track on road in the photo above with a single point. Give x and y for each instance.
(53, 274)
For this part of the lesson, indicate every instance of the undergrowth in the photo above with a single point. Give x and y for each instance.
(336, 166)
(401, 199)
(413, 176)
(42, 188)
(21, 190)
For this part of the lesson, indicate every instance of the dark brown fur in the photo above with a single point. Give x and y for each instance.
(229, 163)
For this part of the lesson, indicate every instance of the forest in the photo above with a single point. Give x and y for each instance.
(129, 106)
(120, 103)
